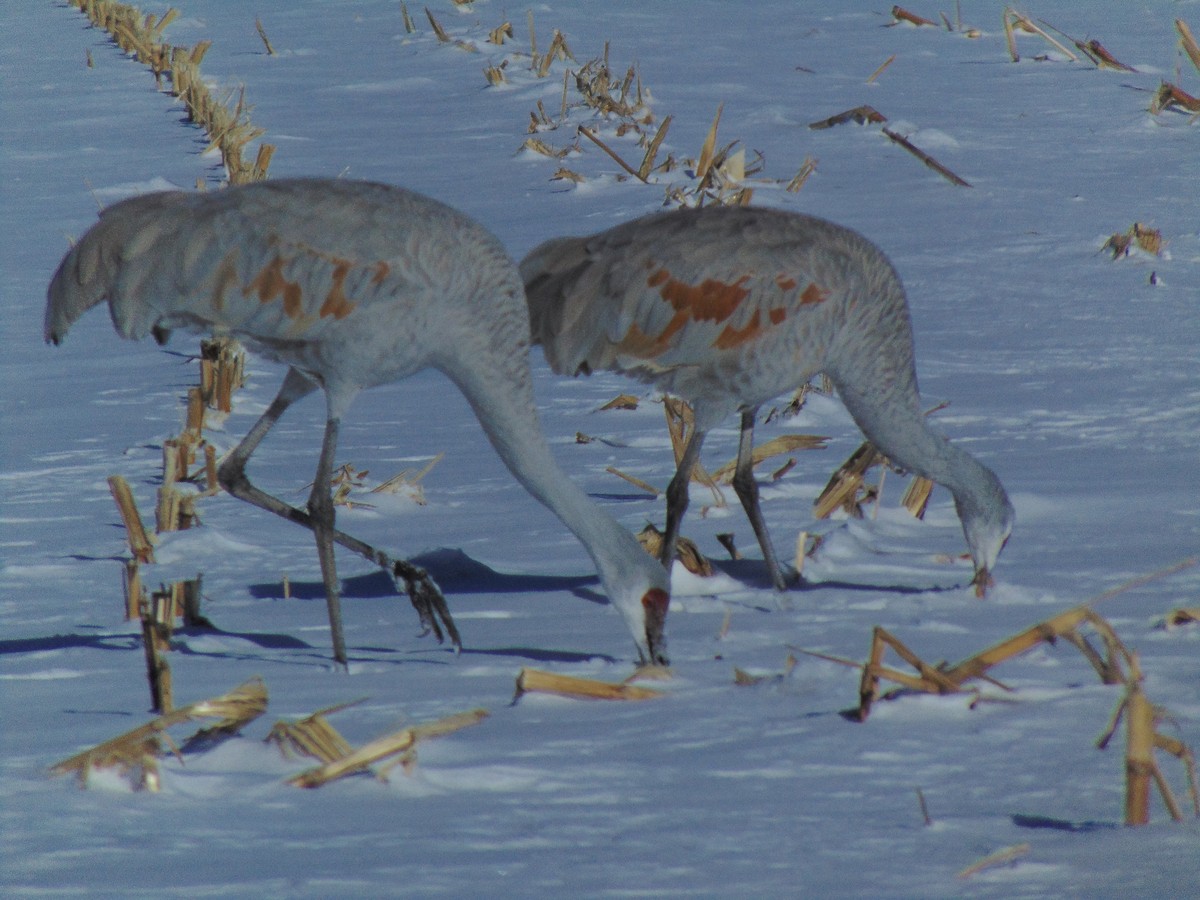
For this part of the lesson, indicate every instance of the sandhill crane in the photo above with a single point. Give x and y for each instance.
(351, 284)
(728, 307)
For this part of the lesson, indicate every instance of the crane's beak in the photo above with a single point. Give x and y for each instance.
(983, 581)
(655, 603)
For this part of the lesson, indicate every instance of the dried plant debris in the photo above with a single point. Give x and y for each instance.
(140, 543)
(1138, 236)
(634, 480)
(401, 743)
(847, 489)
(530, 681)
(621, 401)
(1188, 42)
(1181, 616)
(900, 14)
(228, 128)
(686, 551)
(776, 446)
(924, 157)
(742, 678)
(1015, 21)
(868, 115)
(862, 115)
(1141, 740)
(1115, 665)
(408, 482)
(999, 858)
(1170, 96)
(135, 753)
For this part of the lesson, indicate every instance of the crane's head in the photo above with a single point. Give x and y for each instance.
(987, 521)
(654, 616)
(639, 588)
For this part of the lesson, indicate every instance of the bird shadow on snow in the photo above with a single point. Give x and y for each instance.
(455, 573)
(126, 641)
(752, 573)
(458, 573)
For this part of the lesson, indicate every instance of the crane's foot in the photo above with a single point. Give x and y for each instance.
(785, 578)
(428, 601)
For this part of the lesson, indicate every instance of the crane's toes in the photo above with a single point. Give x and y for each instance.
(429, 603)
(785, 578)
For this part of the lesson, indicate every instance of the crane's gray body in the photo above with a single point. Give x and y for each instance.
(351, 284)
(729, 307)
(726, 307)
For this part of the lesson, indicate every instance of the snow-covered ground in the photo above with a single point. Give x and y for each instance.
(1072, 375)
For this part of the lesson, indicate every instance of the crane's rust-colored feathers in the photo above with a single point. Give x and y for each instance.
(684, 289)
(279, 263)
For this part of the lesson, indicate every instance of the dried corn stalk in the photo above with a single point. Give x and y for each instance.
(537, 681)
(916, 496)
(1139, 235)
(647, 165)
(135, 752)
(925, 158)
(1181, 616)
(681, 424)
(565, 174)
(999, 858)
(621, 401)
(409, 482)
(1099, 54)
(1015, 21)
(611, 153)
(1188, 42)
(900, 14)
(634, 480)
(686, 550)
(135, 594)
(312, 736)
(942, 679)
(807, 168)
(1142, 739)
(844, 488)
(139, 542)
(1170, 96)
(229, 130)
(539, 146)
(860, 114)
(742, 678)
(498, 34)
(402, 741)
(776, 446)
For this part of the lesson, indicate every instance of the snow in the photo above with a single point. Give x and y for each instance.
(1072, 375)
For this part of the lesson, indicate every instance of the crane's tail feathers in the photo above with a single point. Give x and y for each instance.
(556, 276)
(97, 266)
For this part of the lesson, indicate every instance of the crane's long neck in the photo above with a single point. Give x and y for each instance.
(505, 409)
(901, 433)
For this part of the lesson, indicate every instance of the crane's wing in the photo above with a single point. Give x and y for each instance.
(274, 260)
(671, 290)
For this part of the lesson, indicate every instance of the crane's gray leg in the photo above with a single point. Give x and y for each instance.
(677, 497)
(746, 488)
(232, 472)
(321, 519)
(426, 598)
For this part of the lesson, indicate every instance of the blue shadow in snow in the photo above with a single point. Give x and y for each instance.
(455, 573)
